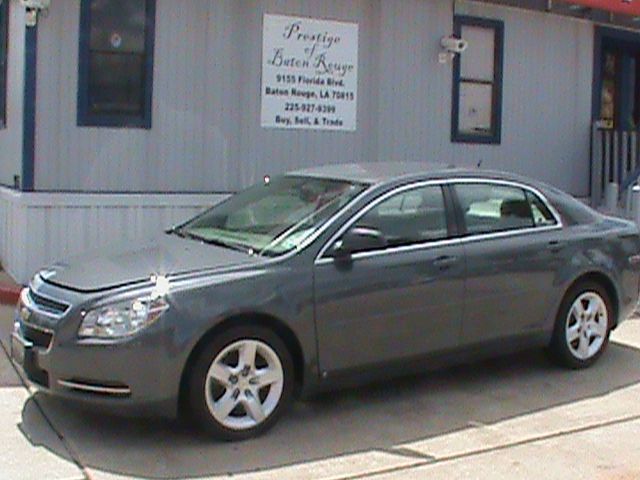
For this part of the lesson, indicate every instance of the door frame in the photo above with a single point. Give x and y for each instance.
(605, 36)
(322, 258)
(452, 216)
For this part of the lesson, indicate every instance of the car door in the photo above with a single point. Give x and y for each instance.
(512, 251)
(402, 300)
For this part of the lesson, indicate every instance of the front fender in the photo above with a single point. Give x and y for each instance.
(204, 304)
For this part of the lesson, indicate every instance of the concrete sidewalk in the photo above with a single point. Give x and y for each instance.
(517, 417)
(30, 445)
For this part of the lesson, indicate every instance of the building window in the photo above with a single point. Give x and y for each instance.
(4, 54)
(116, 63)
(477, 81)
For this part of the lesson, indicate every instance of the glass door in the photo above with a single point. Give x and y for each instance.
(620, 96)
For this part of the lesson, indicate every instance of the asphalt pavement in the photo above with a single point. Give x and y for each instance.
(513, 417)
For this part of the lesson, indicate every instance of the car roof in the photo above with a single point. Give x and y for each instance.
(383, 172)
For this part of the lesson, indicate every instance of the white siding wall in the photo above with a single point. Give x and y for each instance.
(41, 228)
(206, 133)
(11, 137)
(547, 86)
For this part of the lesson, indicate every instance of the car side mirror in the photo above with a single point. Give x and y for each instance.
(358, 239)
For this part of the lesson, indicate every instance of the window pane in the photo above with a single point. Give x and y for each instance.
(493, 208)
(415, 216)
(477, 62)
(117, 57)
(475, 111)
(542, 216)
(118, 25)
(116, 83)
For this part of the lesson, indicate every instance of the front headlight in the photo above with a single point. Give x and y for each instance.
(122, 319)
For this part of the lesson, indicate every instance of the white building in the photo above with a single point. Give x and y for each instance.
(121, 117)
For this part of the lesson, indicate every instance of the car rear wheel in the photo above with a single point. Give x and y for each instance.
(241, 383)
(583, 326)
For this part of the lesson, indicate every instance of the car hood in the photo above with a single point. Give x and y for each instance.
(117, 267)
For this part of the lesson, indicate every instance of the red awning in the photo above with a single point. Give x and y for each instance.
(629, 7)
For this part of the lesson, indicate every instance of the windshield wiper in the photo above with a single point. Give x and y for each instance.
(234, 246)
(211, 241)
(184, 234)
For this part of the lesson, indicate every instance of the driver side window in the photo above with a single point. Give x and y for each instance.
(410, 217)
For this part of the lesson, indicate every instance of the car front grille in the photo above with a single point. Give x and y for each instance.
(47, 305)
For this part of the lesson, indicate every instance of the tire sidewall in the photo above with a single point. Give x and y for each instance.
(197, 404)
(559, 345)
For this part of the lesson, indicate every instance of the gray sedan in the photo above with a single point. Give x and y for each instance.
(327, 277)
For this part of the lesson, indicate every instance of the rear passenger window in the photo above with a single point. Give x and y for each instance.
(410, 217)
(489, 208)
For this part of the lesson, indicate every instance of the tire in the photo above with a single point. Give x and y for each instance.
(223, 380)
(580, 336)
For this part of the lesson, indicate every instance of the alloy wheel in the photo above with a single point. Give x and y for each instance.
(586, 325)
(244, 384)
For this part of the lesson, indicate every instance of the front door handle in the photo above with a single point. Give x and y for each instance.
(445, 262)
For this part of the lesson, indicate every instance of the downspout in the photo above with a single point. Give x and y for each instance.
(29, 108)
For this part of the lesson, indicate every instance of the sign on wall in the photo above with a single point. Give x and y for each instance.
(309, 74)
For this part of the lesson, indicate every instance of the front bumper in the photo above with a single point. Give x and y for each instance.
(138, 376)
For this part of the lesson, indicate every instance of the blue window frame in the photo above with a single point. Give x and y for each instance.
(4, 54)
(115, 77)
(477, 81)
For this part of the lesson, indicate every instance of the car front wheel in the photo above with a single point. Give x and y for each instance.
(241, 382)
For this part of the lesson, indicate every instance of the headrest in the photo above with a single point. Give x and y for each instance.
(515, 208)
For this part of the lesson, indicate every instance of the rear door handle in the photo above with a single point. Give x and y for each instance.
(555, 246)
(445, 262)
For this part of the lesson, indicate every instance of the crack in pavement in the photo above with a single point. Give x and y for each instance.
(432, 460)
(409, 452)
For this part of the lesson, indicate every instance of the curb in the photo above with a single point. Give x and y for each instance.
(9, 294)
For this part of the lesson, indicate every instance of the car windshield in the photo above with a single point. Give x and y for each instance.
(274, 217)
